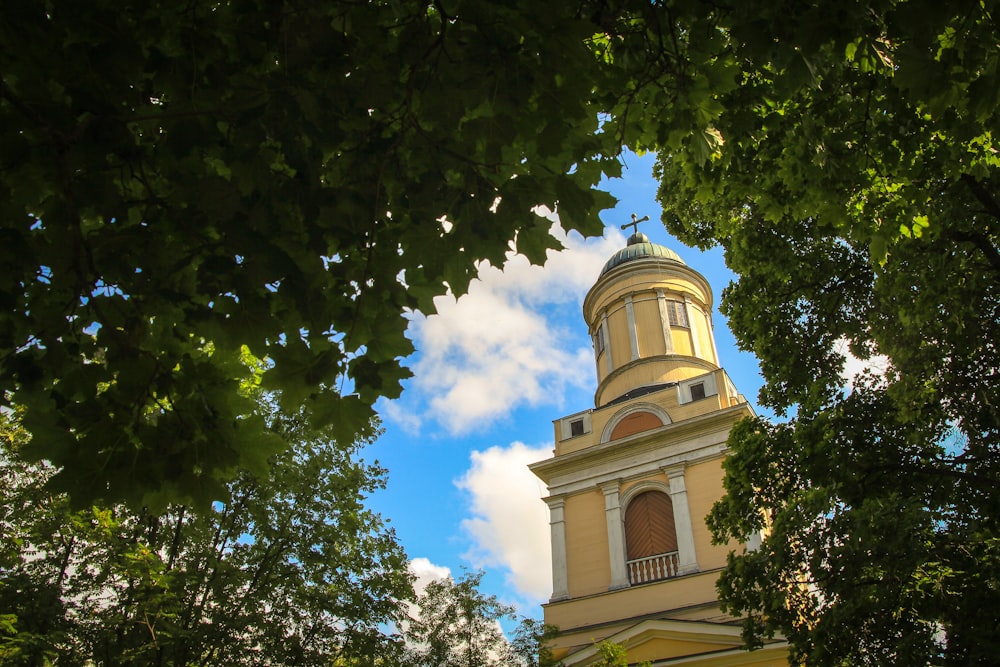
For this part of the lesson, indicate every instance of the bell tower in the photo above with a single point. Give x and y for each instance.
(650, 319)
(632, 478)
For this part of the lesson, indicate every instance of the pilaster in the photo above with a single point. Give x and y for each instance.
(616, 535)
(633, 334)
(557, 526)
(686, 556)
(668, 340)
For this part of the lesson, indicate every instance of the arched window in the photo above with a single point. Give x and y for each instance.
(650, 538)
(636, 422)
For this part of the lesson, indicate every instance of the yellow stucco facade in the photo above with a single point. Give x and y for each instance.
(631, 479)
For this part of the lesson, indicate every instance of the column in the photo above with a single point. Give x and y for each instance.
(711, 338)
(668, 340)
(557, 526)
(687, 561)
(633, 338)
(616, 535)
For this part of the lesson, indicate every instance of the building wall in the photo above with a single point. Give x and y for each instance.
(587, 556)
(704, 485)
(618, 332)
(693, 596)
(646, 315)
(587, 548)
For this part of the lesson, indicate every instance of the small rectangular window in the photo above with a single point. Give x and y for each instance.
(677, 314)
(576, 428)
(698, 391)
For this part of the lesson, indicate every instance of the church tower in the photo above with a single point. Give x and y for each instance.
(632, 478)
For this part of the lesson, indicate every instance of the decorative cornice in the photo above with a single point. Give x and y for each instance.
(664, 270)
(690, 441)
(680, 359)
(584, 599)
(727, 637)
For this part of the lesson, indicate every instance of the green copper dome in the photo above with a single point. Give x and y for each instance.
(639, 247)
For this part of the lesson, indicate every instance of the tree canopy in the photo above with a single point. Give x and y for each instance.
(183, 183)
(456, 625)
(288, 180)
(292, 570)
(855, 193)
(187, 188)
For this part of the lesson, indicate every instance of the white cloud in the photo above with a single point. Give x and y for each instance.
(876, 365)
(510, 523)
(395, 411)
(502, 346)
(424, 572)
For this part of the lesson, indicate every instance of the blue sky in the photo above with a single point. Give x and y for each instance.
(491, 373)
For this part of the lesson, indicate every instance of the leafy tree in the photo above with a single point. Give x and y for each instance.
(292, 570)
(854, 189)
(458, 626)
(291, 178)
(530, 642)
(181, 181)
(615, 655)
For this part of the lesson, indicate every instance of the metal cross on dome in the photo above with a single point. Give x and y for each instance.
(635, 223)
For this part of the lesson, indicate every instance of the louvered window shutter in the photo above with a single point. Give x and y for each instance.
(649, 525)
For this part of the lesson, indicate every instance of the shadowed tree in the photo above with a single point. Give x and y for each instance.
(856, 197)
(182, 183)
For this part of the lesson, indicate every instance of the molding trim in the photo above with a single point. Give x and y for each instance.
(659, 272)
(690, 441)
(726, 636)
(642, 487)
(679, 360)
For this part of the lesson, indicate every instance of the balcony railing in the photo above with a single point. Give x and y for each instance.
(652, 568)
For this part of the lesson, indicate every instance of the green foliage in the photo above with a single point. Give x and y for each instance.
(290, 178)
(615, 655)
(199, 186)
(457, 626)
(856, 197)
(293, 570)
(530, 643)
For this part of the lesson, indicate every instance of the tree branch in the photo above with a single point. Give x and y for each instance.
(982, 194)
